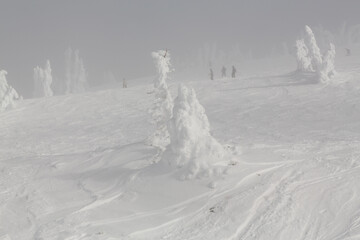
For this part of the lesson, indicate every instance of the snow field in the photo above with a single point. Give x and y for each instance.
(77, 166)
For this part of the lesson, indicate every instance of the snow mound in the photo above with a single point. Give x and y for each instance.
(192, 147)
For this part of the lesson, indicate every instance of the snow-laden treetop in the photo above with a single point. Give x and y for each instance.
(162, 59)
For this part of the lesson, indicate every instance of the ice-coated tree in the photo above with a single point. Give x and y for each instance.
(310, 59)
(302, 57)
(42, 81)
(314, 50)
(327, 70)
(191, 147)
(8, 95)
(162, 109)
(75, 75)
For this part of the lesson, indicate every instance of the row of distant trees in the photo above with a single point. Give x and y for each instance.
(308, 54)
(75, 76)
(75, 80)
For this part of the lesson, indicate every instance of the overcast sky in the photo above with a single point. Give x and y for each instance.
(118, 35)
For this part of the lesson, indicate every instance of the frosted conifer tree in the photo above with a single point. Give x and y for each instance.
(327, 70)
(192, 147)
(310, 59)
(162, 110)
(314, 50)
(76, 77)
(42, 81)
(8, 95)
(302, 56)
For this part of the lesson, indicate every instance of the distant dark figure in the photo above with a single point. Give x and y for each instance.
(124, 83)
(348, 52)
(233, 71)
(223, 72)
(211, 74)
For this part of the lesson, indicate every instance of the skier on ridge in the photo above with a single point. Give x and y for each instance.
(223, 72)
(211, 74)
(233, 71)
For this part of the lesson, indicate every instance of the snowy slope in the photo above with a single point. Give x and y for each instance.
(76, 167)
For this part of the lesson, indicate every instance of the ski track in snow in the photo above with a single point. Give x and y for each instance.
(76, 167)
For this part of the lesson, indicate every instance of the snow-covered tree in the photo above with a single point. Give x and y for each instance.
(8, 95)
(42, 81)
(191, 147)
(314, 50)
(302, 57)
(162, 110)
(310, 59)
(327, 70)
(76, 77)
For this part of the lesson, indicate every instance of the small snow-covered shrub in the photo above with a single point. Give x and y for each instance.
(8, 95)
(302, 57)
(327, 70)
(75, 75)
(42, 81)
(191, 147)
(162, 110)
